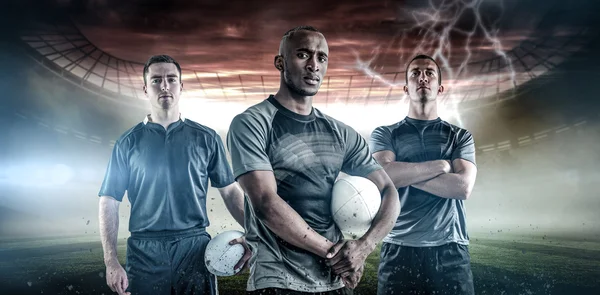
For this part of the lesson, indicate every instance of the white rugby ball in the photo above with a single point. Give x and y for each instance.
(354, 203)
(220, 257)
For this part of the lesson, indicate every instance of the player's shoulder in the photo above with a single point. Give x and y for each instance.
(389, 128)
(126, 137)
(335, 124)
(199, 128)
(259, 114)
(456, 129)
(331, 120)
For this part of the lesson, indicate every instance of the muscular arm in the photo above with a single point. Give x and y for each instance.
(388, 210)
(348, 257)
(109, 228)
(404, 174)
(456, 185)
(233, 197)
(277, 215)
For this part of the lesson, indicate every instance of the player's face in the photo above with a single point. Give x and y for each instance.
(423, 80)
(305, 62)
(163, 86)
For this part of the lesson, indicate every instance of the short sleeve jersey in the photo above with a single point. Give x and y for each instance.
(166, 173)
(426, 220)
(306, 154)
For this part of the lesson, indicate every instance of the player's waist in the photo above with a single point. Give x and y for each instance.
(426, 239)
(308, 274)
(194, 231)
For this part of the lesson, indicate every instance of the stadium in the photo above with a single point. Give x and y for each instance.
(532, 109)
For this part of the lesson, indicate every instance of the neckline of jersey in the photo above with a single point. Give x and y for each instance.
(422, 122)
(172, 127)
(289, 113)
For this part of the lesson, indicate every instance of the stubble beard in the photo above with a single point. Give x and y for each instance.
(295, 89)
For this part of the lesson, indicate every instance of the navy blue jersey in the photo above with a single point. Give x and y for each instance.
(166, 173)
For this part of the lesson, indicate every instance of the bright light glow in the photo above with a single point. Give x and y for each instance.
(60, 174)
(363, 118)
(39, 174)
(215, 115)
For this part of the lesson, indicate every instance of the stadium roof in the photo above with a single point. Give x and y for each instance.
(66, 51)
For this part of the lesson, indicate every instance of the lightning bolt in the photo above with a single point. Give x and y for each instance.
(365, 66)
(434, 26)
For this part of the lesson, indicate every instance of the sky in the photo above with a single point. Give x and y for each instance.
(237, 35)
(371, 39)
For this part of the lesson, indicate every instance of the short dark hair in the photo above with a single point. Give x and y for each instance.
(290, 34)
(423, 56)
(158, 59)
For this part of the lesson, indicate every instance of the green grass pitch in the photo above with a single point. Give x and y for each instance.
(501, 264)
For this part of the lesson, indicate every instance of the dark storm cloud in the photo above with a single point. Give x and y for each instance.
(216, 36)
(244, 35)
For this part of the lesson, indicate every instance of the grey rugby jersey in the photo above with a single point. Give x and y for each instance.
(306, 154)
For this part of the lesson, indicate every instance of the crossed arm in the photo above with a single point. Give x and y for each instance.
(439, 177)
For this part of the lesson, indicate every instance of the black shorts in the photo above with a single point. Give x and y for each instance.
(277, 291)
(169, 263)
(443, 269)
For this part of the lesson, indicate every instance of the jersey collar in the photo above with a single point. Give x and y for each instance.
(148, 118)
